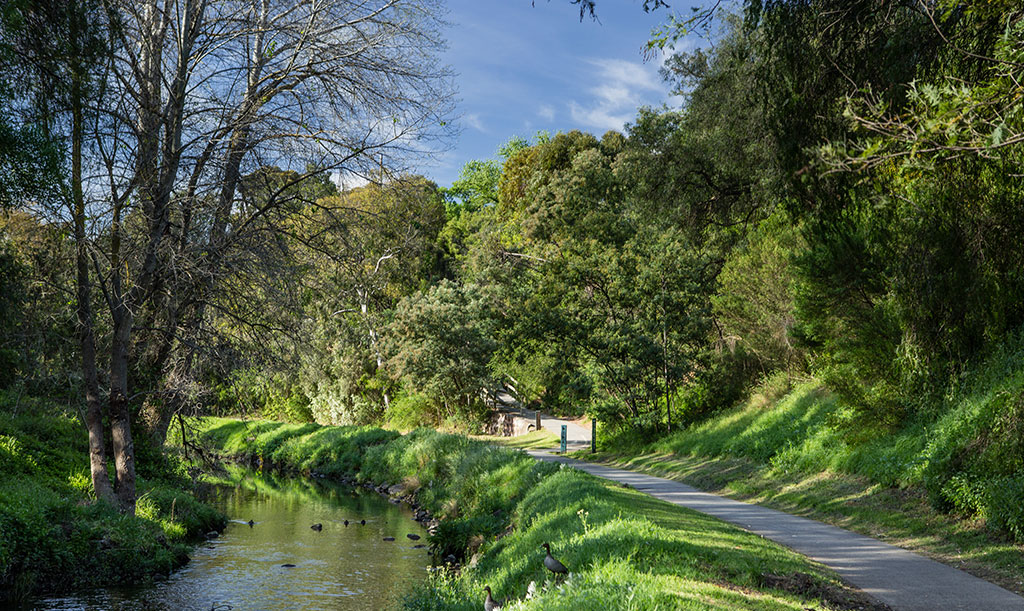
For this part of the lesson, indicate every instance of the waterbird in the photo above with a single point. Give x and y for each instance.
(346, 522)
(413, 537)
(389, 538)
(251, 523)
(363, 522)
(317, 527)
(288, 566)
(489, 603)
(552, 564)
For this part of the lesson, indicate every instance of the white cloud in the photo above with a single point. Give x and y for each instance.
(546, 112)
(623, 86)
(473, 120)
(346, 181)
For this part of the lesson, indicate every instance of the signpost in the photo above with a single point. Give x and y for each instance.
(564, 436)
(593, 436)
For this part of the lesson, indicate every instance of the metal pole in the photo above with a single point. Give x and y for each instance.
(564, 436)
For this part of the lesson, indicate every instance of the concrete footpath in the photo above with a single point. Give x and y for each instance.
(903, 580)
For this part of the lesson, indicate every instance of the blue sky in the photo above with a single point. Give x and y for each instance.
(524, 68)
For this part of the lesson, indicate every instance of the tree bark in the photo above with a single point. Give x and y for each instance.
(86, 334)
(120, 418)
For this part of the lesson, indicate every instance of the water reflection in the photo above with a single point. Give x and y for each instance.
(338, 567)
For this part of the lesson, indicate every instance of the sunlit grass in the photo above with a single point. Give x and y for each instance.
(54, 537)
(625, 549)
(537, 440)
(788, 455)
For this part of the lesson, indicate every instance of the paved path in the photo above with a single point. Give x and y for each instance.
(894, 576)
(577, 437)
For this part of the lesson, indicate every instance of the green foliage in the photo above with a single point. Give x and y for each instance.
(54, 537)
(754, 303)
(976, 453)
(271, 397)
(412, 410)
(440, 343)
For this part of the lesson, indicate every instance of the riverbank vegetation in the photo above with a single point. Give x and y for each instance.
(55, 537)
(786, 448)
(497, 506)
(837, 198)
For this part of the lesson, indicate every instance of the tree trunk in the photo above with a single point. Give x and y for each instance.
(86, 334)
(664, 359)
(86, 337)
(120, 418)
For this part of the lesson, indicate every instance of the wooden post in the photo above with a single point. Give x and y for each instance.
(593, 436)
(538, 420)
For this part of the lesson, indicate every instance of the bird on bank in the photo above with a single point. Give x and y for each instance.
(489, 603)
(552, 564)
(317, 527)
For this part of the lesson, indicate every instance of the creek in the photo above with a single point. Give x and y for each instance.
(338, 567)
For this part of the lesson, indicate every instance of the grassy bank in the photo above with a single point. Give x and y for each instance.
(496, 505)
(946, 486)
(54, 537)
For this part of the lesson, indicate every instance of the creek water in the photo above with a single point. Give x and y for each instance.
(337, 567)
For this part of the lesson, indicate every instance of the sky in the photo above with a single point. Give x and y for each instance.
(522, 69)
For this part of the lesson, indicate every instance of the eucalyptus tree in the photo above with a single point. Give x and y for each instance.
(383, 248)
(187, 98)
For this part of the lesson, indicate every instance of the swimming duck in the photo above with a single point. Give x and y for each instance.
(317, 527)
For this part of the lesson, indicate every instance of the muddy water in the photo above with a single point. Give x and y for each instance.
(337, 567)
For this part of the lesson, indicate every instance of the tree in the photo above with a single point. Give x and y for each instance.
(382, 250)
(440, 343)
(191, 97)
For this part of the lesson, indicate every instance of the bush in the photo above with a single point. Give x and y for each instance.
(412, 410)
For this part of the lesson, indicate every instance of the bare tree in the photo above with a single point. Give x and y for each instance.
(194, 96)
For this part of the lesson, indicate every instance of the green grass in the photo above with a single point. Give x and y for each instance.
(54, 537)
(626, 550)
(792, 449)
(537, 440)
